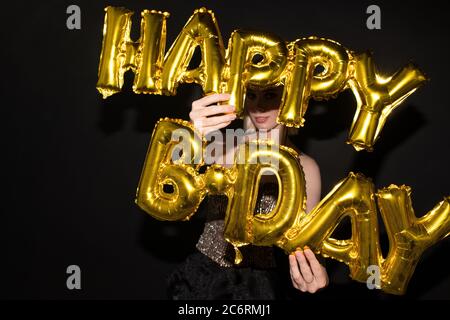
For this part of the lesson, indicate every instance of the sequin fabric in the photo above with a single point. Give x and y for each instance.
(213, 244)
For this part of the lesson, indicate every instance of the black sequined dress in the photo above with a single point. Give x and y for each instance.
(210, 272)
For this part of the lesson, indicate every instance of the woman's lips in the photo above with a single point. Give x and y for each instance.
(261, 119)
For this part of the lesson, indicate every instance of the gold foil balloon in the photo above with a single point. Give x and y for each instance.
(162, 168)
(351, 197)
(155, 73)
(171, 187)
(292, 64)
(174, 158)
(408, 235)
(120, 53)
(355, 197)
(253, 160)
(377, 97)
(201, 30)
(302, 83)
(219, 180)
(243, 70)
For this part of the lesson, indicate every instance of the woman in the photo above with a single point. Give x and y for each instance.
(210, 273)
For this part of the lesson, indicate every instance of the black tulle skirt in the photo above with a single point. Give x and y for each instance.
(200, 278)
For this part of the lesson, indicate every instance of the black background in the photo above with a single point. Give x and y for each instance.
(71, 160)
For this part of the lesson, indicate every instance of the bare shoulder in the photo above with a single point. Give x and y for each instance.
(308, 163)
(312, 179)
(305, 160)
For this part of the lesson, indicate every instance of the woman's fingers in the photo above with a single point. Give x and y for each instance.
(207, 130)
(313, 262)
(319, 272)
(296, 276)
(304, 267)
(208, 117)
(294, 283)
(214, 121)
(307, 274)
(211, 99)
(214, 110)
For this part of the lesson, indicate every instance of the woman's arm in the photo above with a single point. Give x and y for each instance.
(313, 181)
(307, 274)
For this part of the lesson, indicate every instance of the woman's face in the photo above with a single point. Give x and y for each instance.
(262, 106)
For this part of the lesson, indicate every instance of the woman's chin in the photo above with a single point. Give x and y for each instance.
(265, 126)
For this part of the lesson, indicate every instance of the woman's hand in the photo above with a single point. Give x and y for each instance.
(307, 274)
(207, 117)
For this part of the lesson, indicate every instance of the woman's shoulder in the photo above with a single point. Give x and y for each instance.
(308, 163)
(305, 159)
